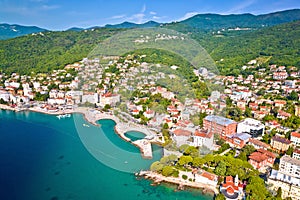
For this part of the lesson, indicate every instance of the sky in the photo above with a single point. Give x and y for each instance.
(64, 14)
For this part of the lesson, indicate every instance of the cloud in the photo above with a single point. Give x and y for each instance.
(152, 13)
(137, 18)
(143, 8)
(118, 17)
(188, 15)
(49, 7)
(240, 7)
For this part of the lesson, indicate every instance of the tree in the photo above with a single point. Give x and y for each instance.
(290, 151)
(252, 190)
(247, 112)
(220, 196)
(293, 96)
(184, 160)
(198, 162)
(279, 193)
(167, 171)
(156, 166)
(165, 126)
(220, 170)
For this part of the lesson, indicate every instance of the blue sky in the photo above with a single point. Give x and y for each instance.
(63, 14)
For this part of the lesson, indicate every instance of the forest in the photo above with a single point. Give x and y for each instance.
(230, 50)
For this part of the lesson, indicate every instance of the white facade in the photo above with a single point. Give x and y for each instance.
(251, 126)
(295, 138)
(200, 140)
(4, 95)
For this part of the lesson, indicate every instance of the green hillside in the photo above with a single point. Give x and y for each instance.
(13, 30)
(49, 50)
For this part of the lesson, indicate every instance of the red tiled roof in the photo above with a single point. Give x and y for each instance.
(267, 153)
(295, 134)
(181, 132)
(258, 157)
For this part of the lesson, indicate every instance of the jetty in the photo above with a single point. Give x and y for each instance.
(121, 128)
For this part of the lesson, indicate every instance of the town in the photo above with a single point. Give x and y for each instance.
(254, 120)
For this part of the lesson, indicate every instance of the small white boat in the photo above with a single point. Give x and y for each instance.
(85, 125)
(63, 116)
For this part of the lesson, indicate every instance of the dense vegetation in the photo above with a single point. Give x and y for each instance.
(49, 50)
(230, 49)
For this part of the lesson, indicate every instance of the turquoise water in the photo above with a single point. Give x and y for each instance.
(43, 158)
(134, 135)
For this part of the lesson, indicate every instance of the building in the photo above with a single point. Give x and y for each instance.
(232, 189)
(287, 177)
(258, 144)
(220, 125)
(295, 138)
(4, 95)
(238, 140)
(280, 143)
(203, 138)
(251, 126)
(89, 97)
(261, 159)
(181, 136)
(296, 154)
(109, 99)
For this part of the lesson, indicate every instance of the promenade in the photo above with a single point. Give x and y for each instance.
(157, 178)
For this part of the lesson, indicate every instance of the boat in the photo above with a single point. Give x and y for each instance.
(85, 125)
(63, 116)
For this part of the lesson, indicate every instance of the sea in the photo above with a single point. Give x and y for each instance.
(46, 158)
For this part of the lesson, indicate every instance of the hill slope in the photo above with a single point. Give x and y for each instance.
(49, 50)
(10, 31)
(216, 22)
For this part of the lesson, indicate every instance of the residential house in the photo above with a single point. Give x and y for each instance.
(296, 154)
(283, 115)
(109, 98)
(149, 114)
(295, 138)
(181, 136)
(258, 144)
(280, 75)
(203, 138)
(280, 143)
(261, 159)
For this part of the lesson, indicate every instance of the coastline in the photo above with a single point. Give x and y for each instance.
(92, 116)
(158, 178)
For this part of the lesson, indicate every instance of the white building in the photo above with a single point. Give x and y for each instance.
(202, 138)
(109, 98)
(251, 126)
(287, 177)
(4, 95)
(295, 138)
(181, 136)
(90, 97)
